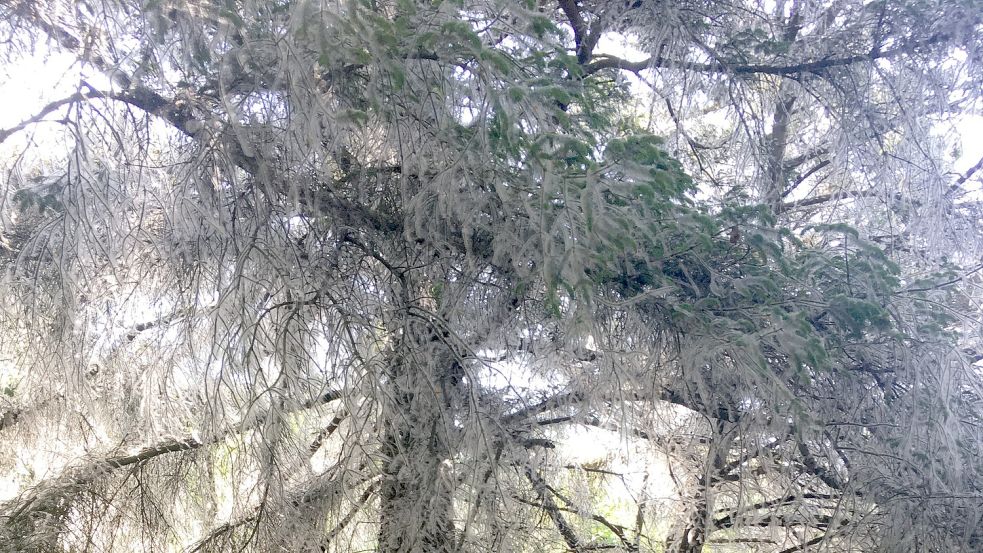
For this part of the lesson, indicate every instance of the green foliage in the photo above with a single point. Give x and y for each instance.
(643, 159)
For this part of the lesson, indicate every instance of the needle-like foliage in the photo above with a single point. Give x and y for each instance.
(454, 276)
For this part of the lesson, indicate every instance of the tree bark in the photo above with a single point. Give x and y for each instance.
(695, 533)
(416, 494)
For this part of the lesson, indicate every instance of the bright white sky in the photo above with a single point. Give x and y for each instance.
(27, 86)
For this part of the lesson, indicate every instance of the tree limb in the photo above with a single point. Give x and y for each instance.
(580, 31)
(966, 176)
(45, 111)
(824, 198)
(816, 67)
(49, 492)
(562, 526)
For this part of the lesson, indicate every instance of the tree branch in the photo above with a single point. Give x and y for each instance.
(816, 67)
(585, 37)
(182, 119)
(328, 430)
(45, 111)
(49, 492)
(802, 546)
(730, 519)
(820, 472)
(966, 176)
(562, 526)
(302, 499)
(824, 198)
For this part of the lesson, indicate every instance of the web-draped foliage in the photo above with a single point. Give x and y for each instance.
(345, 275)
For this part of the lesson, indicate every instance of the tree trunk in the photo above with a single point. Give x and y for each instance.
(777, 142)
(694, 533)
(417, 488)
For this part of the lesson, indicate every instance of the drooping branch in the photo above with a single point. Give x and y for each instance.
(51, 491)
(549, 404)
(181, 118)
(350, 515)
(618, 530)
(805, 176)
(307, 497)
(155, 323)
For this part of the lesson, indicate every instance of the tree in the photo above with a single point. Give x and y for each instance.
(292, 283)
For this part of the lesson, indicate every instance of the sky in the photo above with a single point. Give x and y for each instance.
(27, 86)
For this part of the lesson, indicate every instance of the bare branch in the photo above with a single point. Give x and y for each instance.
(816, 67)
